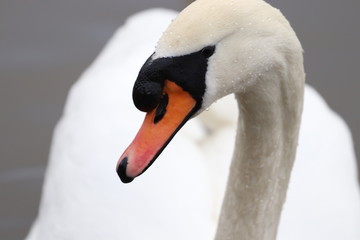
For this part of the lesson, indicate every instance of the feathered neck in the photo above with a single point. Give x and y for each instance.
(267, 136)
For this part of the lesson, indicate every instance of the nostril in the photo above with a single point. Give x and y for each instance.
(121, 171)
(146, 95)
(161, 110)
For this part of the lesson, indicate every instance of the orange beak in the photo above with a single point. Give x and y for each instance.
(159, 127)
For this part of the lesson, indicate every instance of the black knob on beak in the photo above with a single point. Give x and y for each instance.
(146, 94)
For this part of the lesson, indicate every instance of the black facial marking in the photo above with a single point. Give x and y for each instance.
(187, 71)
(161, 109)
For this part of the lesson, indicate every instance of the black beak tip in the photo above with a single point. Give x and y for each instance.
(121, 171)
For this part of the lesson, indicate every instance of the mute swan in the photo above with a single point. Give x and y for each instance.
(83, 200)
(214, 48)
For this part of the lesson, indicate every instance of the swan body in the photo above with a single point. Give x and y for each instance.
(323, 196)
(83, 200)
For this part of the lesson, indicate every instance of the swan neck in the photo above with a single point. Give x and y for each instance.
(266, 141)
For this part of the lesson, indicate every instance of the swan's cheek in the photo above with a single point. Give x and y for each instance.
(159, 127)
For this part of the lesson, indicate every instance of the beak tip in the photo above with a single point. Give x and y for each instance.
(121, 171)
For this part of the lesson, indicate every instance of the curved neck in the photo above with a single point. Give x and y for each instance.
(266, 141)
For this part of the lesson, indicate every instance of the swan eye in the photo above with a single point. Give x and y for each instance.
(208, 51)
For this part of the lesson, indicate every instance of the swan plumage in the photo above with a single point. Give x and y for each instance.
(83, 199)
(323, 196)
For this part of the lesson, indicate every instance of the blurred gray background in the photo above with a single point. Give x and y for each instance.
(45, 46)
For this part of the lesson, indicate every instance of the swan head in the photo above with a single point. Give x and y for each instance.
(211, 49)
